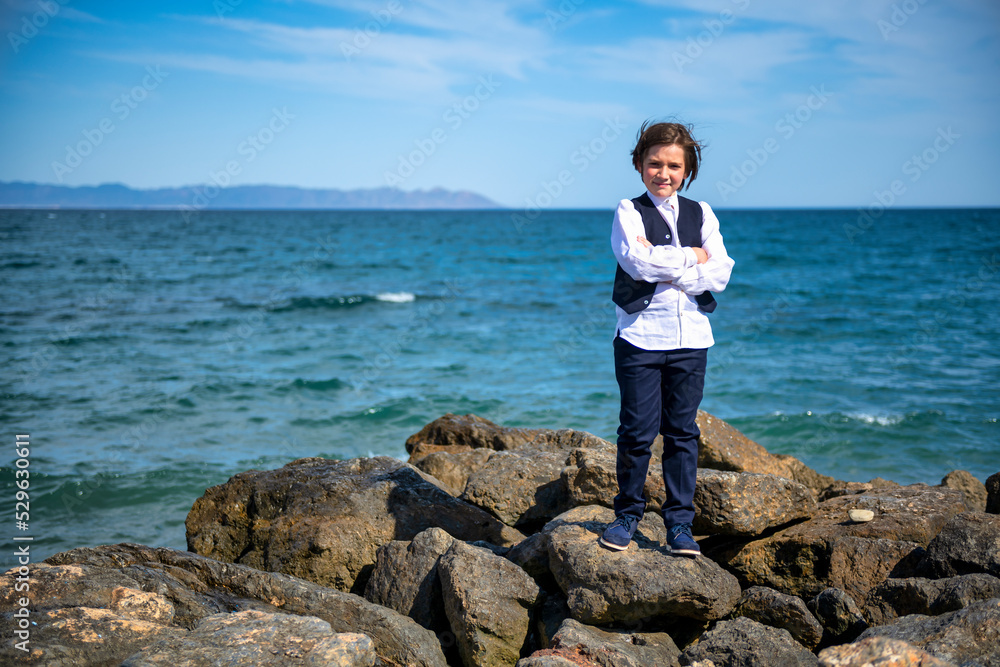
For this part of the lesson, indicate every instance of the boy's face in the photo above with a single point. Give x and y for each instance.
(663, 169)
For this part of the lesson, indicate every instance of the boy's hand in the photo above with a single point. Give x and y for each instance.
(643, 242)
(701, 255)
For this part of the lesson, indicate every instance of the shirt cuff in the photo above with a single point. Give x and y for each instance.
(692, 259)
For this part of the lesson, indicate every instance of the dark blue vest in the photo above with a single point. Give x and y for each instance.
(634, 295)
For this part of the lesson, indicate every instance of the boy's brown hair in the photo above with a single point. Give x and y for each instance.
(650, 135)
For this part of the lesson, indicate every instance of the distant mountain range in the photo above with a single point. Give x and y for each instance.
(110, 196)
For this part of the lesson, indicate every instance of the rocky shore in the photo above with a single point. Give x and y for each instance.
(482, 550)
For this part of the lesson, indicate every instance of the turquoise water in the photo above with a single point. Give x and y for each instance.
(150, 357)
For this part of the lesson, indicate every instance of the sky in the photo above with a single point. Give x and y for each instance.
(819, 104)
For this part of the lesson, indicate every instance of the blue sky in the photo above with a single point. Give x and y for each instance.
(826, 104)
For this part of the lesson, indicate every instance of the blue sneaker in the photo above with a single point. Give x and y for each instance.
(680, 541)
(619, 533)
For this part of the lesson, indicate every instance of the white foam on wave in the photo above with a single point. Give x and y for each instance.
(396, 297)
(881, 420)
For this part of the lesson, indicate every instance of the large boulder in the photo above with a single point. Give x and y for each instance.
(94, 588)
(252, 638)
(722, 447)
(453, 468)
(406, 579)
(972, 489)
(489, 602)
(879, 652)
(771, 607)
(743, 641)
(604, 586)
(590, 479)
(748, 504)
(324, 520)
(521, 488)
(931, 597)
(579, 644)
(830, 550)
(967, 544)
(969, 636)
(839, 615)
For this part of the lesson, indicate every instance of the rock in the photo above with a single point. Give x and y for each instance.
(829, 551)
(489, 601)
(731, 503)
(521, 488)
(453, 468)
(993, 494)
(324, 520)
(197, 587)
(840, 488)
(879, 652)
(860, 516)
(742, 641)
(405, 578)
(770, 607)
(967, 544)
(968, 636)
(550, 618)
(580, 644)
(972, 489)
(604, 586)
(722, 447)
(930, 597)
(839, 615)
(258, 638)
(470, 431)
(590, 479)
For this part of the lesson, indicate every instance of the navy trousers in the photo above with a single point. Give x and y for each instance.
(660, 392)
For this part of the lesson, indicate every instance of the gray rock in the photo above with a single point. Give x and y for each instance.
(604, 586)
(453, 468)
(748, 504)
(186, 588)
(830, 551)
(254, 638)
(879, 652)
(520, 488)
(324, 520)
(993, 493)
(742, 641)
(489, 602)
(590, 479)
(968, 636)
(613, 648)
(930, 597)
(551, 659)
(967, 544)
(770, 607)
(405, 578)
(839, 615)
(972, 489)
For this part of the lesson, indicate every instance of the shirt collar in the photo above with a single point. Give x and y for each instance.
(659, 202)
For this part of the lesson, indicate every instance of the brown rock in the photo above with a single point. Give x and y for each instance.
(590, 479)
(722, 447)
(521, 488)
(839, 615)
(615, 648)
(254, 638)
(324, 520)
(993, 494)
(968, 543)
(453, 468)
(604, 586)
(476, 432)
(731, 503)
(931, 597)
(829, 550)
(771, 607)
(879, 652)
(972, 489)
(743, 641)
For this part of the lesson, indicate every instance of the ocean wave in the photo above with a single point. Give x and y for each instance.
(396, 297)
(324, 302)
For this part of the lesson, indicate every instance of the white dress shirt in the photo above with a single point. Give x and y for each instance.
(672, 320)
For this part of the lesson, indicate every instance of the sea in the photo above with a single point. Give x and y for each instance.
(149, 355)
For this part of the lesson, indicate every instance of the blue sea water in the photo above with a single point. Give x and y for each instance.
(150, 357)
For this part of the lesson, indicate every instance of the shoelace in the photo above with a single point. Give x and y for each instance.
(680, 528)
(627, 521)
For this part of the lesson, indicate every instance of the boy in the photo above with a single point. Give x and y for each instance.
(670, 257)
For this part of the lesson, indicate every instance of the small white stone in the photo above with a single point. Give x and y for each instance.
(861, 516)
